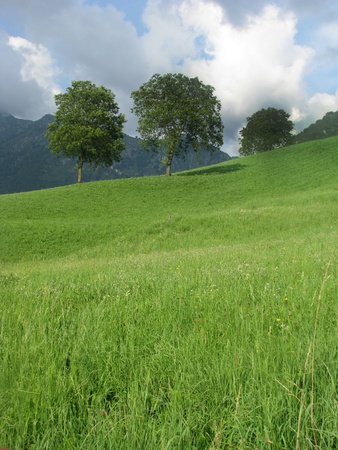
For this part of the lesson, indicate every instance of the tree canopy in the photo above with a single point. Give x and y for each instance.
(265, 130)
(322, 128)
(177, 112)
(87, 126)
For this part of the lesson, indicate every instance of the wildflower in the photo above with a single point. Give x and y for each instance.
(278, 319)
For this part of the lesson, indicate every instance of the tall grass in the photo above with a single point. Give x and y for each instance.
(196, 312)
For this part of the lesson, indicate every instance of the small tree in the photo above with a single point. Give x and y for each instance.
(176, 113)
(87, 126)
(266, 129)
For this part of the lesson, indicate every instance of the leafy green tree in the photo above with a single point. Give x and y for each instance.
(321, 129)
(265, 130)
(87, 126)
(176, 113)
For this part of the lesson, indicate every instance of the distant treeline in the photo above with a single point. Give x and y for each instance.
(323, 128)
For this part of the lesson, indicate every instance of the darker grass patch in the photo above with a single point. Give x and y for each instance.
(214, 170)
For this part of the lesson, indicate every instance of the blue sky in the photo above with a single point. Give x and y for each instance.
(132, 9)
(280, 53)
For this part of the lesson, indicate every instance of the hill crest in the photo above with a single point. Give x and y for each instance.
(27, 164)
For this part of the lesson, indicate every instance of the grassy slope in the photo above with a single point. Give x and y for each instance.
(200, 208)
(198, 311)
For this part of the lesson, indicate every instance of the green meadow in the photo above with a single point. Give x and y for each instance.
(197, 311)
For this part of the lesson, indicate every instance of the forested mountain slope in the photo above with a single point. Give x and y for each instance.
(27, 164)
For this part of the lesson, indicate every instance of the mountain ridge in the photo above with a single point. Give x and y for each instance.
(26, 162)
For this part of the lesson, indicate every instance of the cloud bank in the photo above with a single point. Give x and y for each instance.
(254, 55)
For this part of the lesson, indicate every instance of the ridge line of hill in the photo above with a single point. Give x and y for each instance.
(26, 162)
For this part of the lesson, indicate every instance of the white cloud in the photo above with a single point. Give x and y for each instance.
(255, 65)
(95, 43)
(248, 50)
(27, 84)
(252, 66)
(38, 64)
(168, 41)
(317, 106)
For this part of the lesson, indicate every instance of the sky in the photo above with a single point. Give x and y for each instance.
(255, 53)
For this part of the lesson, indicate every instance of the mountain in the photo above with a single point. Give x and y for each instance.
(27, 164)
(322, 128)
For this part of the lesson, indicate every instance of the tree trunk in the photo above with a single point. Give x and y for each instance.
(168, 166)
(79, 171)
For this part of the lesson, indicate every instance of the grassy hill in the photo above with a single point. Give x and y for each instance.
(193, 311)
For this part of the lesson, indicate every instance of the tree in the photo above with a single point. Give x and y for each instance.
(176, 112)
(87, 126)
(266, 129)
(321, 129)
